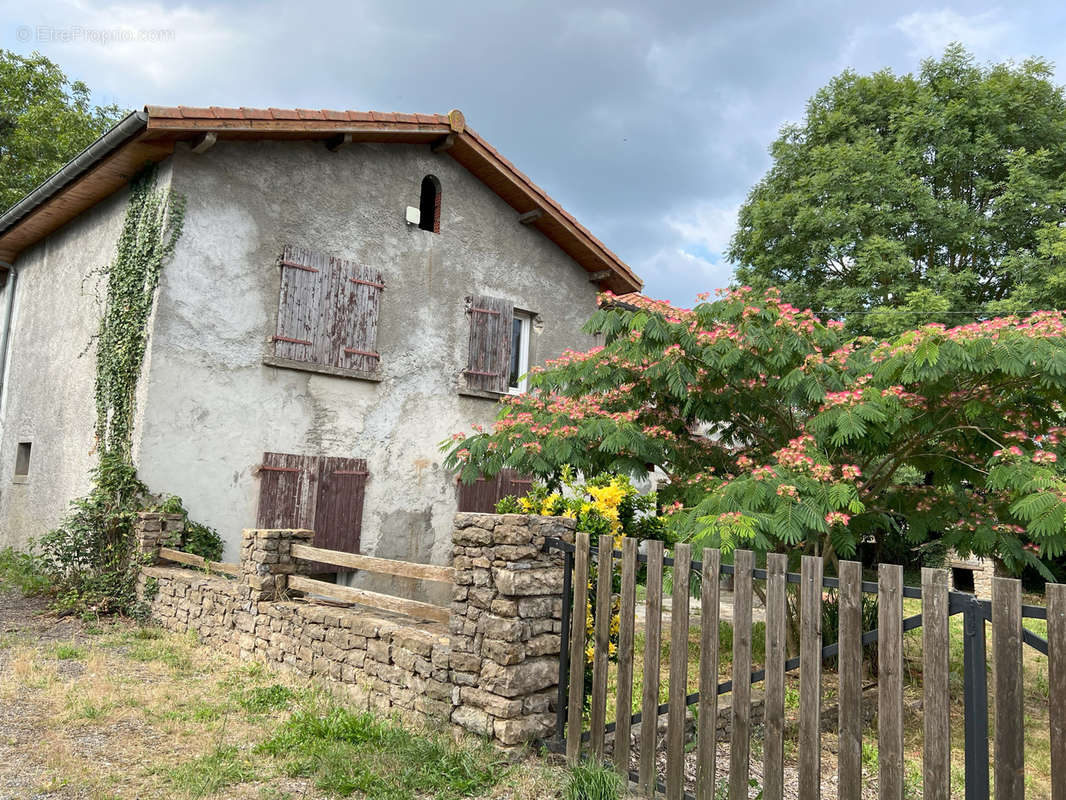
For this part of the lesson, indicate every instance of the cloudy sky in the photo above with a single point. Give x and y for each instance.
(648, 121)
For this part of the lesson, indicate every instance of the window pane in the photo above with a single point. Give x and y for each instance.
(516, 351)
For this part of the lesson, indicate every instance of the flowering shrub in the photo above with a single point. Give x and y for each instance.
(604, 505)
(778, 433)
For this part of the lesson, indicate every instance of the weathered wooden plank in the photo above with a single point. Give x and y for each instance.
(936, 698)
(849, 760)
(810, 710)
(626, 623)
(598, 709)
(303, 283)
(339, 495)
(653, 616)
(194, 560)
(381, 566)
(707, 756)
(347, 594)
(1056, 638)
(352, 320)
(774, 744)
(1009, 742)
(740, 736)
(890, 681)
(675, 725)
(576, 698)
(286, 499)
(489, 354)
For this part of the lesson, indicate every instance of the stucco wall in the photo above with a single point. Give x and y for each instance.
(48, 391)
(211, 406)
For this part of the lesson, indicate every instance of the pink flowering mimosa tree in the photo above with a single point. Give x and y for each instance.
(778, 434)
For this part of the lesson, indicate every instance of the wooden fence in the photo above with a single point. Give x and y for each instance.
(1005, 613)
(382, 566)
(345, 594)
(193, 560)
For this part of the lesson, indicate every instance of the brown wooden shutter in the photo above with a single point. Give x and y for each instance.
(303, 281)
(339, 508)
(489, 356)
(351, 316)
(483, 494)
(285, 491)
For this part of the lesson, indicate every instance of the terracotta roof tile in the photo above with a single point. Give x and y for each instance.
(167, 112)
(310, 113)
(283, 113)
(195, 112)
(255, 113)
(221, 112)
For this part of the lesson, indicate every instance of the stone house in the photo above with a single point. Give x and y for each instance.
(350, 288)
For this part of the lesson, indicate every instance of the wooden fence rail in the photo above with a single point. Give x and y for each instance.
(1005, 614)
(193, 560)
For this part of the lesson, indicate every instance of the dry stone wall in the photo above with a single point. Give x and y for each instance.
(492, 671)
(506, 622)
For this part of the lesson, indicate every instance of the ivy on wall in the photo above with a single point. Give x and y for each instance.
(91, 556)
(154, 221)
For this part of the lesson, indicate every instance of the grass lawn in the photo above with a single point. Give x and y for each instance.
(114, 710)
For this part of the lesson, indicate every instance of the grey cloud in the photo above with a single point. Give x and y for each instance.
(631, 114)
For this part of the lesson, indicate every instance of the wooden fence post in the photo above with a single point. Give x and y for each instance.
(740, 736)
(1009, 760)
(936, 697)
(890, 681)
(810, 719)
(577, 647)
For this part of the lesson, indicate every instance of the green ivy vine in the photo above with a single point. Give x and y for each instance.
(92, 555)
(154, 222)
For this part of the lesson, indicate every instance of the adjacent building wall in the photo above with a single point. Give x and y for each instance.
(48, 389)
(212, 407)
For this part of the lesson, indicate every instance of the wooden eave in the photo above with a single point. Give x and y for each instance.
(165, 128)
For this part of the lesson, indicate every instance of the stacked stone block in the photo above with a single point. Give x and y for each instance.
(506, 623)
(155, 530)
(185, 600)
(267, 561)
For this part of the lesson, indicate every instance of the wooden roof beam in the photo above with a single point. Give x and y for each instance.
(443, 144)
(335, 143)
(203, 142)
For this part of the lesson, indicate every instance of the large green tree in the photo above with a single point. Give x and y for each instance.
(778, 432)
(907, 199)
(45, 120)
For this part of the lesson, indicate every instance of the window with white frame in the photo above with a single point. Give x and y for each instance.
(520, 328)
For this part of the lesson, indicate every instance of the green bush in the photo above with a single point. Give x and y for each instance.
(589, 781)
(23, 571)
(91, 557)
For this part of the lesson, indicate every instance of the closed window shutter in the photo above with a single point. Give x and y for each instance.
(489, 354)
(351, 315)
(339, 506)
(482, 495)
(286, 497)
(304, 277)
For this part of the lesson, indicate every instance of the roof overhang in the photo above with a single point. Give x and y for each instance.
(148, 137)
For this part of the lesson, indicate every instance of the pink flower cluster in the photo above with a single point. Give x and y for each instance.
(837, 517)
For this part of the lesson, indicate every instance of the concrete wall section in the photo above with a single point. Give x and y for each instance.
(48, 388)
(211, 405)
